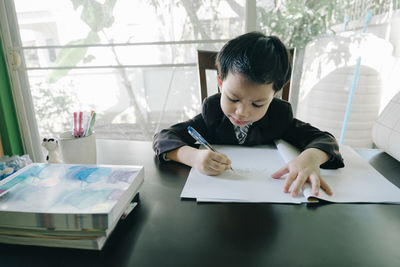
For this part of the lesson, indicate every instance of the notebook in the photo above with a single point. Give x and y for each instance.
(68, 197)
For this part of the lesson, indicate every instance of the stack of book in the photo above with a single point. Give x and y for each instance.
(66, 205)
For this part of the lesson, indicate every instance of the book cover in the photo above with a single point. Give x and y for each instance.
(65, 197)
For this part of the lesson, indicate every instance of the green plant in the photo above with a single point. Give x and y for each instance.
(53, 107)
(298, 22)
(98, 17)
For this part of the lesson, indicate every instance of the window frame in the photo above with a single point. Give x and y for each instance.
(19, 83)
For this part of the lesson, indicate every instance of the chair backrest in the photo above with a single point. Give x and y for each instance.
(206, 61)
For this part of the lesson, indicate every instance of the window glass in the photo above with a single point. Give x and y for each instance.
(133, 62)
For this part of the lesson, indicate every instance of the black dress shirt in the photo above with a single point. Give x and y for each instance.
(277, 123)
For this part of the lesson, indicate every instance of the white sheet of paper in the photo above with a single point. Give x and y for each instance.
(357, 182)
(251, 179)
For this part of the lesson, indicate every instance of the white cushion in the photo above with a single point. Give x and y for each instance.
(386, 129)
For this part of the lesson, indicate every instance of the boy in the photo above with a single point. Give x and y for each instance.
(251, 69)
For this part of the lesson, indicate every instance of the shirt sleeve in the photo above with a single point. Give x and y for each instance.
(304, 136)
(177, 135)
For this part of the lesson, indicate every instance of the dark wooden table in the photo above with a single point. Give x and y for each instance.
(167, 231)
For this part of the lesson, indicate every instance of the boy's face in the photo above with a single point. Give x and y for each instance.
(244, 101)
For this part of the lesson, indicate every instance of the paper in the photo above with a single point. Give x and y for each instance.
(252, 182)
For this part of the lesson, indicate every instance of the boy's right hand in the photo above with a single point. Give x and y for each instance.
(210, 162)
(205, 161)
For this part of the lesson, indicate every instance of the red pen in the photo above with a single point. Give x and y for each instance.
(80, 131)
(75, 132)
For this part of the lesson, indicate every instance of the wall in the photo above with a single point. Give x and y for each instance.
(386, 26)
(324, 91)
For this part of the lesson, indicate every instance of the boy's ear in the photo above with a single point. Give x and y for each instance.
(219, 83)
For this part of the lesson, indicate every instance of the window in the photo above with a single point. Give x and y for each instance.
(133, 62)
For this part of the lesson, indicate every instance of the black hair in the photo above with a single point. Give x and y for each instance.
(261, 59)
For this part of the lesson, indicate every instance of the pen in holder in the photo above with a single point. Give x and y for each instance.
(78, 150)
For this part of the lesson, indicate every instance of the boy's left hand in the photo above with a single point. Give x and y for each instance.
(303, 168)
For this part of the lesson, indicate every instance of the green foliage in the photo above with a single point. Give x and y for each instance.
(297, 22)
(53, 107)
(98, 17)
(72, 56)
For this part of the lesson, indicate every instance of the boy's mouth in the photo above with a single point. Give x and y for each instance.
(239, 122)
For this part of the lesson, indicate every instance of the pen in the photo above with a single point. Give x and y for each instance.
(89, 130)
(80, 124)
(201, 140)
(75, 132)
(87, 123)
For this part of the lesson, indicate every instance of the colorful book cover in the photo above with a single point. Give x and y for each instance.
(68, 196)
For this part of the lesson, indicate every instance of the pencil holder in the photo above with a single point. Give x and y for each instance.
(80, 150)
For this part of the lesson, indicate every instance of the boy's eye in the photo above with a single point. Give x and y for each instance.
(232, 100)
(257, 106)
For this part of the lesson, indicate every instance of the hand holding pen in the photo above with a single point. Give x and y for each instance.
(202, 141)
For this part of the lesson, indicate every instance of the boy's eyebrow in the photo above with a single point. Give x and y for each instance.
(258, 100)
(261, 100)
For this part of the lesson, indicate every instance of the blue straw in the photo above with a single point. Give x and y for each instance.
(353, 86)
(350, 101)
(367, 19)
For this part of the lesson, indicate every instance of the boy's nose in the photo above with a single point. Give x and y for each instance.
(242, 110)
